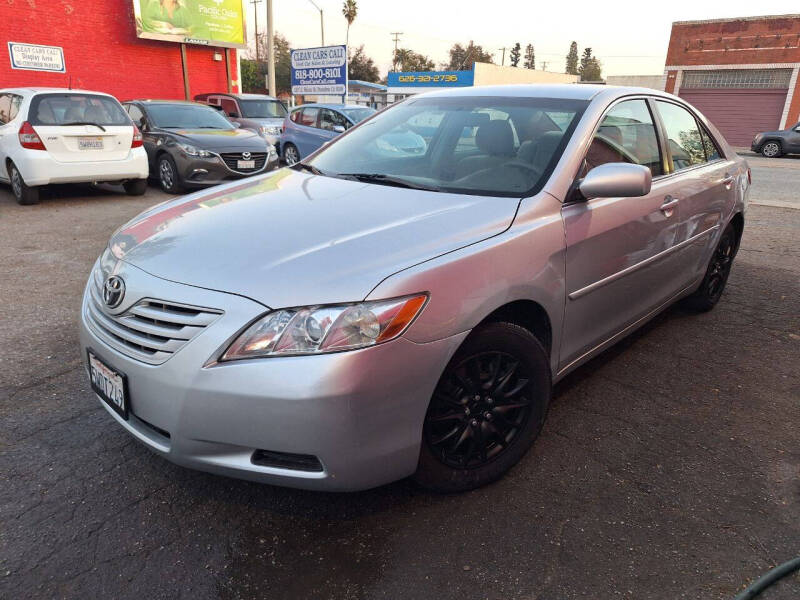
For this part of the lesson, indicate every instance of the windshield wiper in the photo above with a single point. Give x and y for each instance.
(299, 166)
(383, 179)
(84, 123)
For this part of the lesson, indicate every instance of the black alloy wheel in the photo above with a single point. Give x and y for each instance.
(487, 409)
(719, 268)
(771, 149)
(168, 175)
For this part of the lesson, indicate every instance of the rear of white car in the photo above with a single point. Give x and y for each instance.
(50, 136)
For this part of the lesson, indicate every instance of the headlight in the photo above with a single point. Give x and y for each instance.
(321, 329)
(194, 151)
(270, 130)
(271, 149)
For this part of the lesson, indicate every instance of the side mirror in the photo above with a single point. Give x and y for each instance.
(233, 114)
(237, 125)
(613, 180)
(338, 129)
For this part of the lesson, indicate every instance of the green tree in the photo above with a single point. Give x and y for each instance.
(349, 10)
(590, 69)
(515, 54)
(572, 59)
(530, 57)
(408, 60)
(253, 76)
(462, 57)
(362, 67)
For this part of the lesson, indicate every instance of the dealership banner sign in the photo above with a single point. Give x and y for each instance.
(205, 22)
(320, 70)
(431, 79)
(32, 57)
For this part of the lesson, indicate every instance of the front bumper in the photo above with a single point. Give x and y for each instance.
(40, 168)
(359, 413)
(202, 172)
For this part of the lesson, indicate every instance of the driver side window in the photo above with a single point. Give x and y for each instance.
(626, 134)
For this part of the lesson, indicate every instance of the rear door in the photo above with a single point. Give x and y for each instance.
(78, 127)
(9, 107)
(705, 183)
(793, 139)
(309, 137)
(621, 263)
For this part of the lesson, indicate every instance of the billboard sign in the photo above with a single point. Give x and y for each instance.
(32, 57)
(205, 22)
(431, 79)
(320, 70)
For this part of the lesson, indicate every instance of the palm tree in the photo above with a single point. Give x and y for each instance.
(349, 10)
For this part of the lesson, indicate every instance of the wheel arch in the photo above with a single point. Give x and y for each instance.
(738, 225)
(529, 315)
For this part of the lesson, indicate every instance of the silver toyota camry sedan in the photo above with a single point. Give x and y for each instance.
(375, 312)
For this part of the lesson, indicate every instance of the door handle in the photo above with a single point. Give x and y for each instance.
(669, 205)
(728, 179)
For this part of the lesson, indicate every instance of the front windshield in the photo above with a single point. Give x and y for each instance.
(263, 109)
(356, 115)
(187, 116)
(473, 145)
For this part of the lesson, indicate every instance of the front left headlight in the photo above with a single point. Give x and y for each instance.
(322, 329)
(270, 130)
(194, 151)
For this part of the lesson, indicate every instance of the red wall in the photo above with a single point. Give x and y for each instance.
(102, 52)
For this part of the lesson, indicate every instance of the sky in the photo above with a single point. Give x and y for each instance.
(629, 38)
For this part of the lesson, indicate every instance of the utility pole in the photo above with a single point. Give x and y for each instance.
(396, 38)
(270, 52)
(544, 65)
(321, 22)
(504, 56)
(255, 4)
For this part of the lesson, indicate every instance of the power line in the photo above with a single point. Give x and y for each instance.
(396, 38)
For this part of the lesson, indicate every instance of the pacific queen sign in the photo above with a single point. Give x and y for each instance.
(320, 71)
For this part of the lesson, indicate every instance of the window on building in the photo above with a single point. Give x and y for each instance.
(737, 78)
(683, 135)
(626, 134)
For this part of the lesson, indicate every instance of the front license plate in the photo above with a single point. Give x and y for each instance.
(109, 384)
(90, 143)
(246, 164)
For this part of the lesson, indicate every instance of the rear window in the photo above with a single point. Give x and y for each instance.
(76, 109)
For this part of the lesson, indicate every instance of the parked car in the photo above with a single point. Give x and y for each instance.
(361, 317)
(256, 112)
(191, 145)
(773, 144)
(310, 126)
(54, 135)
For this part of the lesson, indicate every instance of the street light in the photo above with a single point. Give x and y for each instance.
(321, 22)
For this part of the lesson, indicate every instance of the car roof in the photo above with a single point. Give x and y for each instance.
(238, 96)
(49, 90)
(566, 91)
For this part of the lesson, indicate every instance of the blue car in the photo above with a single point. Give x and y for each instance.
(309, 126)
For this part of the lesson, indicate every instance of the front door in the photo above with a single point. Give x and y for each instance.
(620, 261)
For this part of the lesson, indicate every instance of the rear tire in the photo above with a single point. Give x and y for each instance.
(486, 411)
(771, 149)
(290, 154)
(719, 268)
(168, 177)
(24, 194)
(135, 187)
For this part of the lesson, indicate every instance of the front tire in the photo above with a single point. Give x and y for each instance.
(24, 194)
(290, 154)
(719, 268)
(135, 187)
(168, 177)
(771, 149)
(486, 410)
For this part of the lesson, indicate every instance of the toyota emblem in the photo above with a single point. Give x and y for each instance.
(246, 155)
(113, 291)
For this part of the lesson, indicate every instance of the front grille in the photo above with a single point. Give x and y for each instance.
(232, 159)
(151, 330)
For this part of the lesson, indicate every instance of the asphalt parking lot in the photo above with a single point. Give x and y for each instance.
(669, 467)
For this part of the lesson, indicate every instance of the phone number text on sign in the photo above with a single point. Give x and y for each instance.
(315, 74)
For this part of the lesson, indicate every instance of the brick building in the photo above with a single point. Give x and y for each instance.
(102, 52)
(741, 73)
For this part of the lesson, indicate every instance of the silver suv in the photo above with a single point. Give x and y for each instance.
(367, 315)
(256, 112)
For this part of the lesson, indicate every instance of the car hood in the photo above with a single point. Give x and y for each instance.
(290, 238)
(215, 139)
(272, 121)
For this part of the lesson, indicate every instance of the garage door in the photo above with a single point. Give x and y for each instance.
(740, 102)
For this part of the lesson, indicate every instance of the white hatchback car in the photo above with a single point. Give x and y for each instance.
(55, 135)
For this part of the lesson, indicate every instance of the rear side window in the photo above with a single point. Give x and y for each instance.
(5, 108)
(229, 107)
(68, 109)
(712, 151)
(308, 117)
(626, 134)
(137, 116)
(295, 116)
(683, 136)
